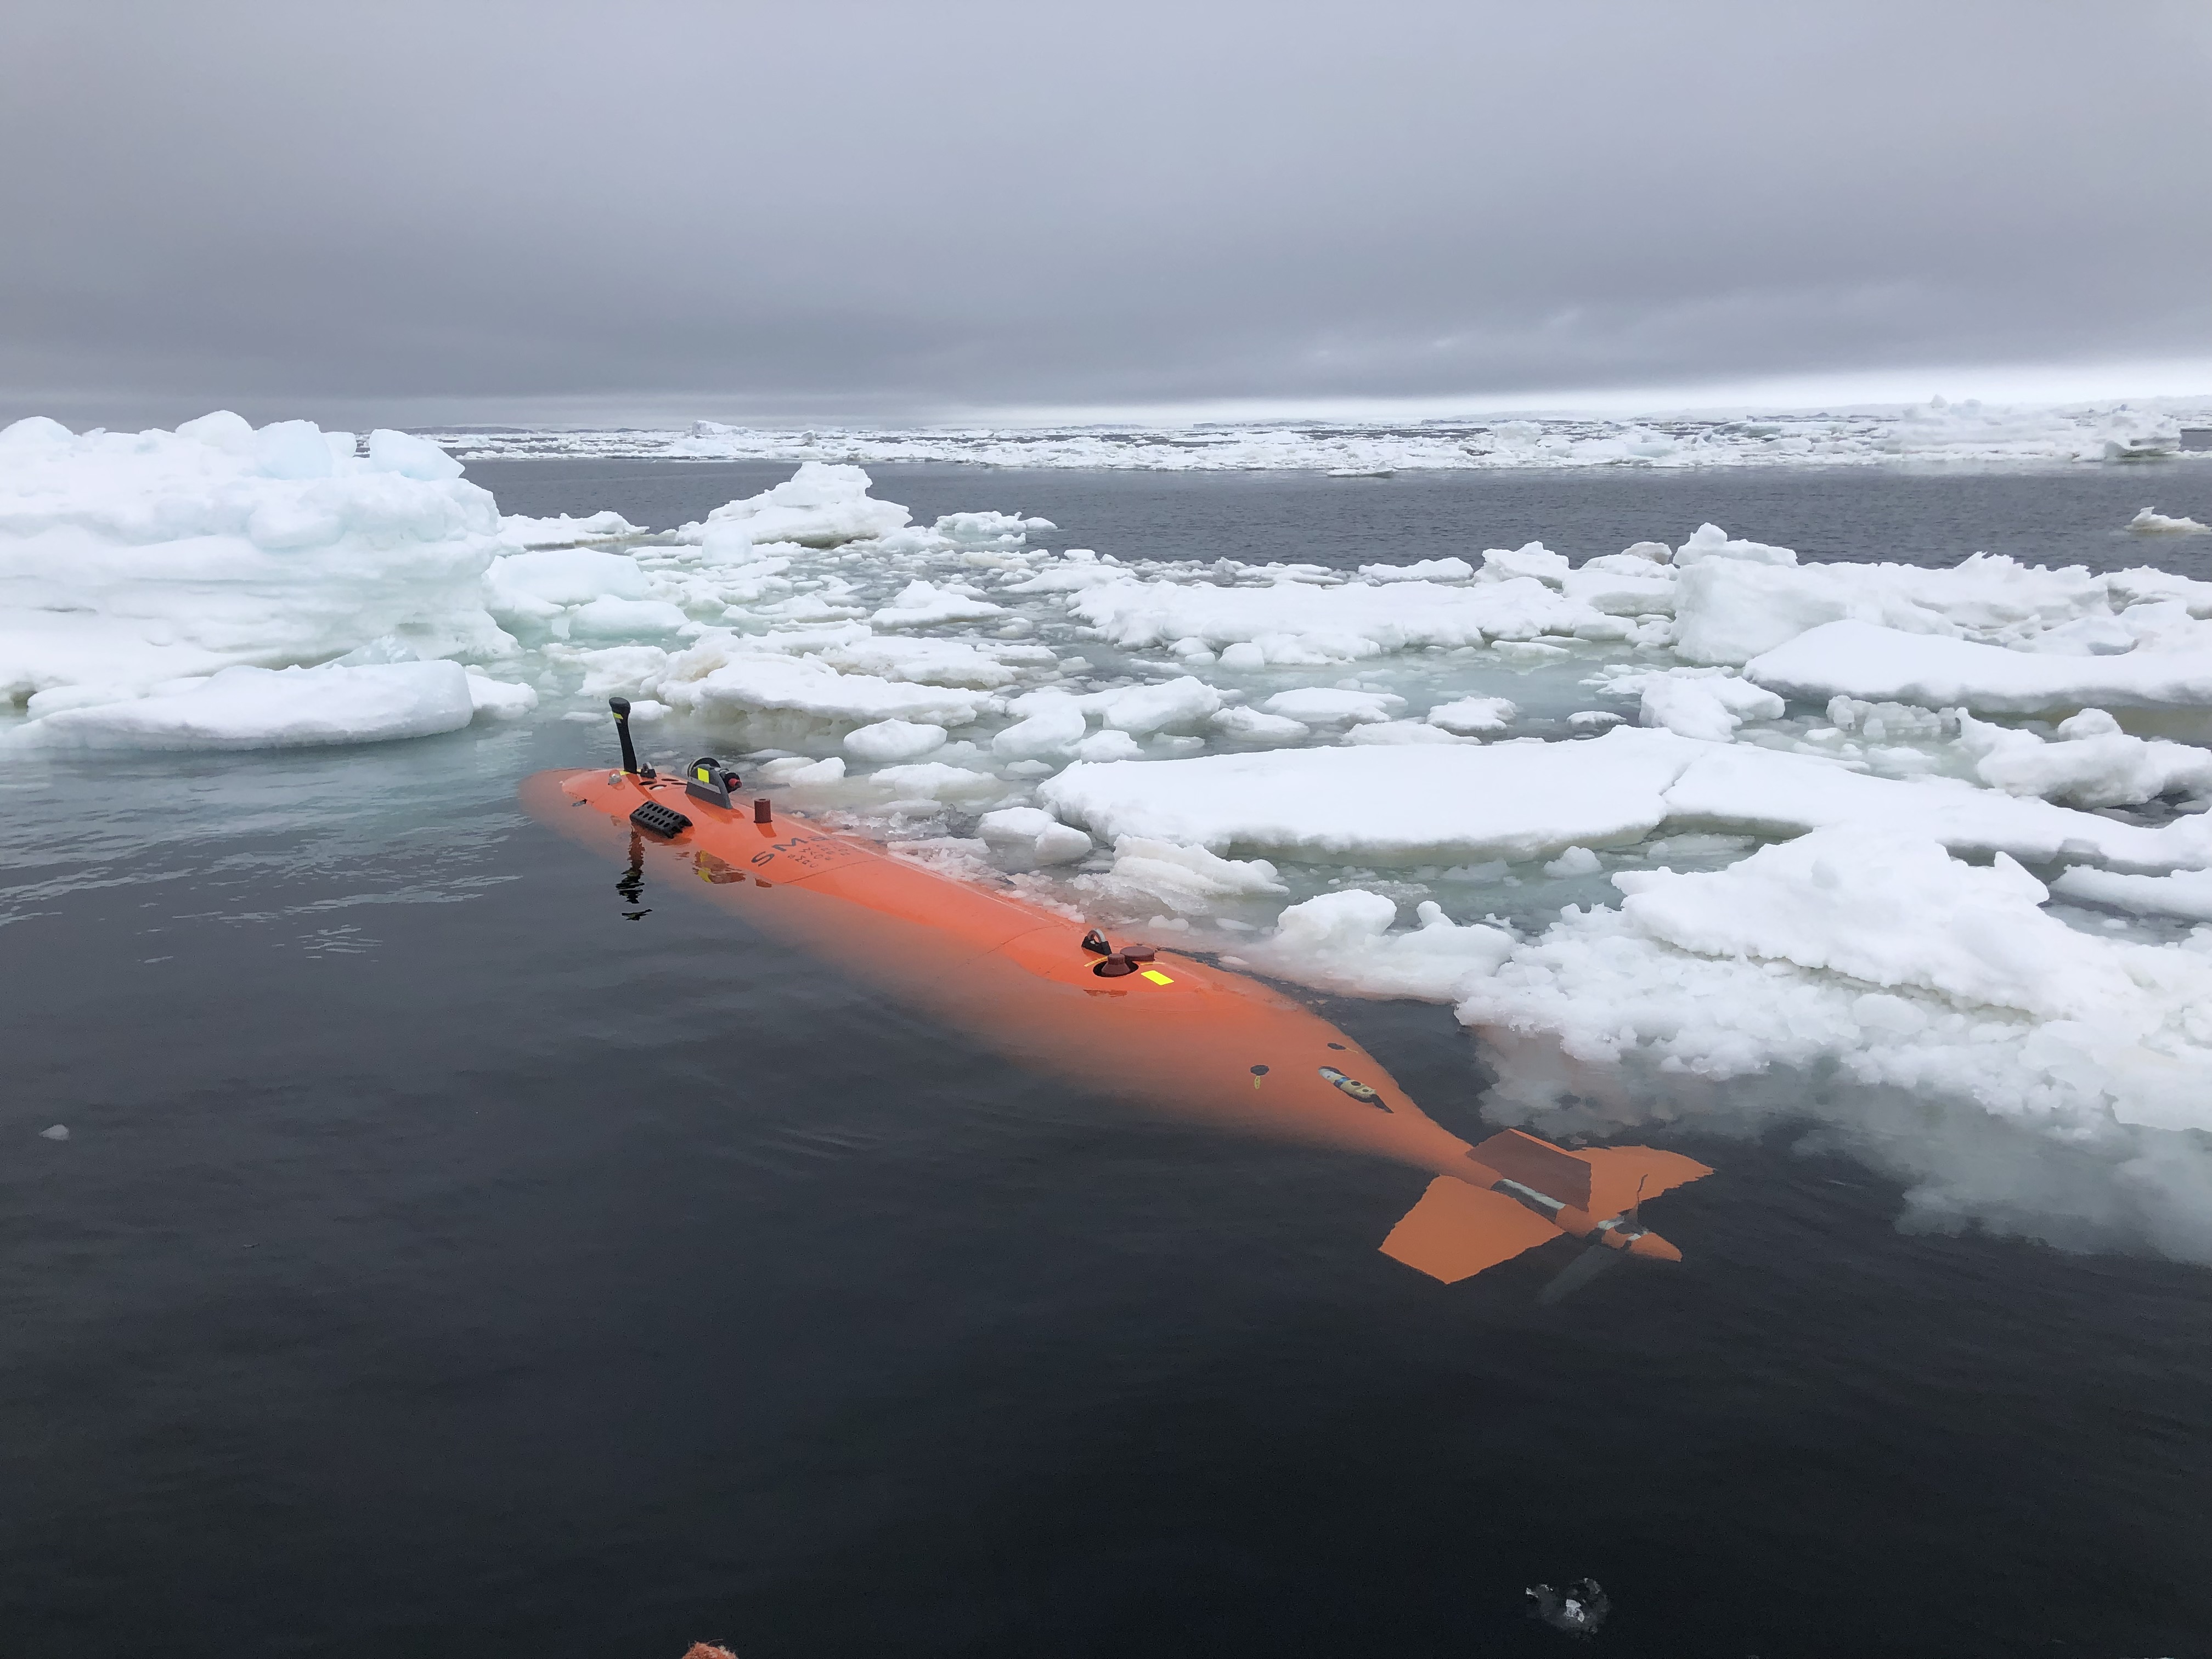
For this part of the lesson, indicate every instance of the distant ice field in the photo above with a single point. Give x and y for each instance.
(2039, 513)
(1938, 431)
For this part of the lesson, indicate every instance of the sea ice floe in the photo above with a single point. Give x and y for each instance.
(1400, 731)
(1474, 716)
(1388, 805)
(1052, 723)
(717, 679)
(1297, 623)
(1694, 703)
(1140, 710)
(2152, 522)
(1730, 610)
(1322, 705)
(1033, 833)
(1346, 941)
(2093, 764)
(523, 588)
(2185, 893)
(143, 557)
(1874, 664)
(1533, 560)
(1251, 726)
(247, 707)
(894, 740)
(925, 605)
(1188, 880)
(563, 531)
(820, 505)
(2067, 1060)
(1421, 570)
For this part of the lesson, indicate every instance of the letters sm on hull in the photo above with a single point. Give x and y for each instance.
(1166, 1032)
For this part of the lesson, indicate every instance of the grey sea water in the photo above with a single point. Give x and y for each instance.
(441, 1262)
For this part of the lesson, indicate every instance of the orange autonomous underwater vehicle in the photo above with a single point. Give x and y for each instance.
(1163, 1031)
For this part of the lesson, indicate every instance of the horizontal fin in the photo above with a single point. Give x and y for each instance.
(1537, 1164)
(1456, 1230)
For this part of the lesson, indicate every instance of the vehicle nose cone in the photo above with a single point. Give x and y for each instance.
(1652, 1248)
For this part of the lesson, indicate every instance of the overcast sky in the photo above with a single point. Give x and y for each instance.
(890, 213)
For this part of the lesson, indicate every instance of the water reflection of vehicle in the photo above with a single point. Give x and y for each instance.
(1164, 1030)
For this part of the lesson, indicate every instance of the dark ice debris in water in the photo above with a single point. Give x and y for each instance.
(1579, 1609)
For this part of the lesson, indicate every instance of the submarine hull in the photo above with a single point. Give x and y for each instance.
(1177, 1034)
(1166, 1033)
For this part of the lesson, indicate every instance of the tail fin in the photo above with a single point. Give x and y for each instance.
(1623, 1176)
(1456, 1230)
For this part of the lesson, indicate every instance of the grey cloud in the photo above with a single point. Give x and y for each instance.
(862, 211)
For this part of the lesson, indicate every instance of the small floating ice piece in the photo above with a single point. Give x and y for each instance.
(717, 675)
(895, 740)
(609, 618)
(1402, 732)
(1190, 878)
(1250, 726)
(924, 603)
(1141, 709)
(1532, 559)
(2185, 893)
(1052, 723)
(1323, 705)
(1035, 832)
(1475, 716)
(1109, 746)
(2151, 522)
(1708, 706)
(1343, 942)
(935, 780)
(501, 700)
(55, 1132)
(1575, 861)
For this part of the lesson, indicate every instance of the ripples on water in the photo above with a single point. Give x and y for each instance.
(441, 1263)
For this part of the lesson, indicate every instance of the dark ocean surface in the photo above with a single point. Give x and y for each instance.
(440, 1263)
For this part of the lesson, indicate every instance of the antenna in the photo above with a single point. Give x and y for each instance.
(621, 706)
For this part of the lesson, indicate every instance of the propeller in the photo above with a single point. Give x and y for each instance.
(1594, 1259)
